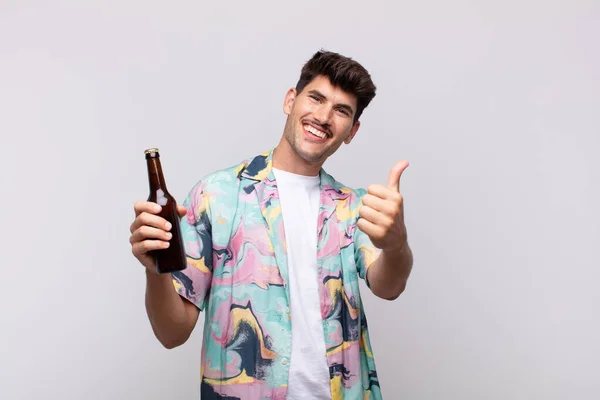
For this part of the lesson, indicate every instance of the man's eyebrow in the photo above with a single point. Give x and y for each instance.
(322, 96)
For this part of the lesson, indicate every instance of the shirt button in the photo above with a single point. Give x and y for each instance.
(287, 310)
(284, 361)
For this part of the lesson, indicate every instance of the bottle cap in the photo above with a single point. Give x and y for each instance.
(150, 151)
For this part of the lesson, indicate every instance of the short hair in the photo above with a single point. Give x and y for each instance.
(342, 72)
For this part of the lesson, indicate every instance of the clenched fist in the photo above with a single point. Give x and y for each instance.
(150, 232)
(382, 212)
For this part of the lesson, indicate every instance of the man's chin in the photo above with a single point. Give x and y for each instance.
(311, 157)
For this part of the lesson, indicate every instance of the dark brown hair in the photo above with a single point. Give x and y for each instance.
(342, 72)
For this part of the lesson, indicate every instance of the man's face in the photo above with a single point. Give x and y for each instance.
(320, 119)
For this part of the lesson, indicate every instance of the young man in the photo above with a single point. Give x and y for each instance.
(275, 250)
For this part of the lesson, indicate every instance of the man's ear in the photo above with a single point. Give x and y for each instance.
(352, 132)
(288, 103)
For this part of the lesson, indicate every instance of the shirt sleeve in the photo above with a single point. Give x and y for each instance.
(193, 283)
(364, 250)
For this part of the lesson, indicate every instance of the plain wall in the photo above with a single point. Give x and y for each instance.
(495, 104)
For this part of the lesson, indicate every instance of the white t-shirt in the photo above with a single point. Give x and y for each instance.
(300, 199)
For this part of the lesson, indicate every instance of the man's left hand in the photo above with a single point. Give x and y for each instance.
(382, 212)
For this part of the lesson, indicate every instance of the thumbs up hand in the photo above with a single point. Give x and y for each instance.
(382, 212)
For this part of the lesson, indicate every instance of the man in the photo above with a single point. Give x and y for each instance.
(275, 248)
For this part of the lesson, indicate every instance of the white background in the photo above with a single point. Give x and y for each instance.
(495, 104)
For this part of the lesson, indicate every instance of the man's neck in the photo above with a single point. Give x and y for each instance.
(286, 159)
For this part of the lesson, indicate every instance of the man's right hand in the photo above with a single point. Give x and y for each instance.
(150, 232)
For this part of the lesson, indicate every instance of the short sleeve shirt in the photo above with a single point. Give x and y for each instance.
(237, 275)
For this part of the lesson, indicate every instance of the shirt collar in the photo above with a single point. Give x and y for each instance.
(260, 169)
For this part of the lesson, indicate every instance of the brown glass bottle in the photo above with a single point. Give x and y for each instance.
(173, 257)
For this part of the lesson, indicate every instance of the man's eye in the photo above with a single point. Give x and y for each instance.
(315, 98)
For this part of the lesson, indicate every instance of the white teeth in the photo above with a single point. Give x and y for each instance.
(315, 131)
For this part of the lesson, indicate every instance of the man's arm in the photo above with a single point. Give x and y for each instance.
(382, 219)
(172, 318)
(388, 274)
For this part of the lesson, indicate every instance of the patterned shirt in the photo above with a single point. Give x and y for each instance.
(237, 274)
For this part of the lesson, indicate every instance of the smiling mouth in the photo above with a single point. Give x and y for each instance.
(318, 133)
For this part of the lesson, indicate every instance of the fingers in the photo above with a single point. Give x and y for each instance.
(375, 217)
(150, 220)
(144, 212)
(148, 232)
(146, 237)
(395, 174)
(153, 208)
(141, 248)
(146, 206)
(374, 231)
(379, 204)
(383, 192)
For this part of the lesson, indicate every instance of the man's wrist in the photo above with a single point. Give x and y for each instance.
(396, 252)
(156, 277)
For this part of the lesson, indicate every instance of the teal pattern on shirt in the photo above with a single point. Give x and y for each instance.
(237, 275)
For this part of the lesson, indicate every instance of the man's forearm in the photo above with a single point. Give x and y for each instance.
(388, 274)
(171, 320)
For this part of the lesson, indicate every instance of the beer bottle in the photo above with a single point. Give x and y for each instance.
(173, 257)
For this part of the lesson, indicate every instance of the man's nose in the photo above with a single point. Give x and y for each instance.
(323, 115)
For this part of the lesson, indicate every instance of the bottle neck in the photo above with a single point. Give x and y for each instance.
(156, 179)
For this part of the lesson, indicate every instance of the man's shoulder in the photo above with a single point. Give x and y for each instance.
(330, 182)
(225, 178)
(223, 175)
